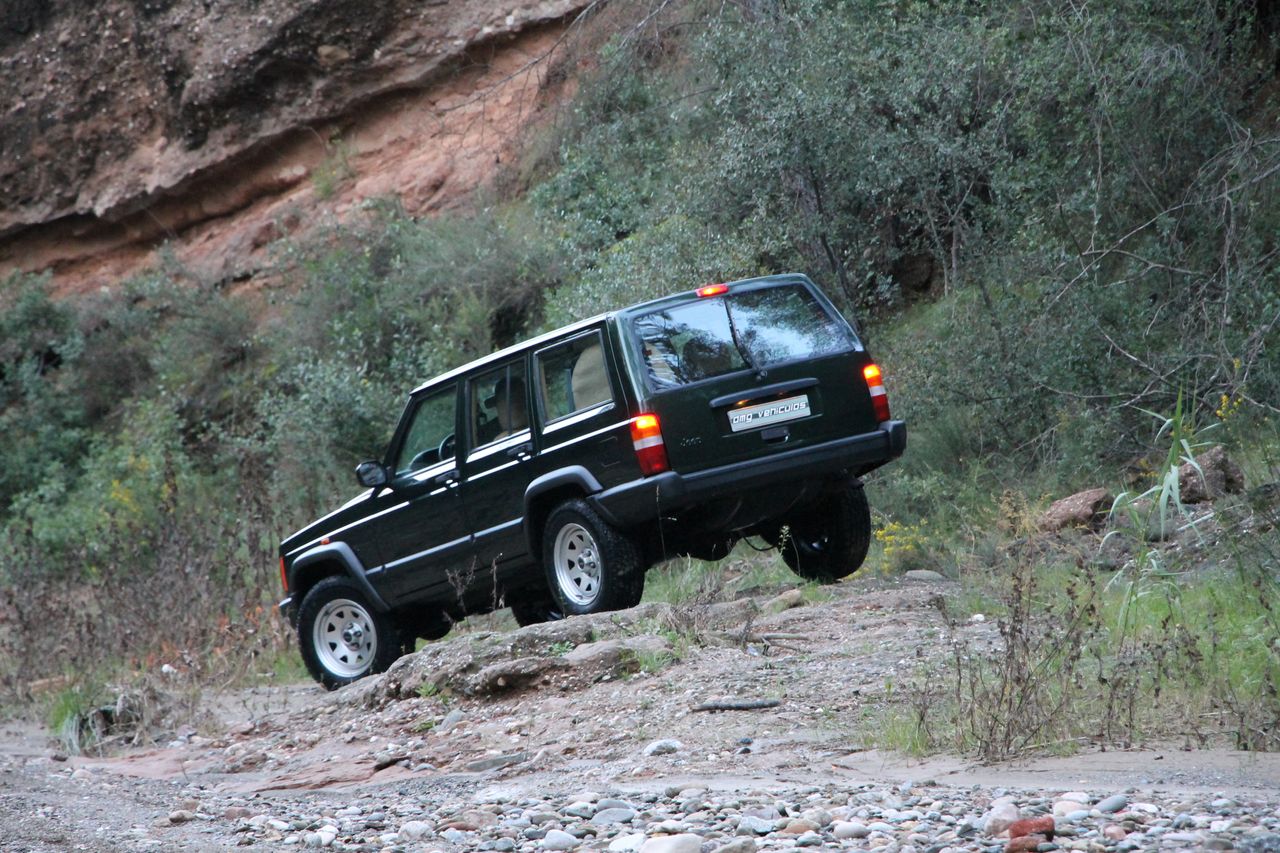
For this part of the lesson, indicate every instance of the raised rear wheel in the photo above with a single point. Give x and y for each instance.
(829, 539)
(591, 566)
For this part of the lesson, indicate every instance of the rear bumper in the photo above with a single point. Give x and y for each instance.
(288, 608)
(637, 502)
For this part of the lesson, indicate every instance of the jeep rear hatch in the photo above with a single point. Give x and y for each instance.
(738, 371)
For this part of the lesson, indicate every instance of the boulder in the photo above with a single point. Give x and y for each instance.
(1217, 475)
(1083, 509)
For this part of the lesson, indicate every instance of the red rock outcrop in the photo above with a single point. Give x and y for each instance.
(218, 127)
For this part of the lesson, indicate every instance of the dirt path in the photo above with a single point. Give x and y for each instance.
(537, 723)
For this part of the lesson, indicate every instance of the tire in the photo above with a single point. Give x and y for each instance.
(342, 637)
(532, 609)
(591, 566)
(830, 541)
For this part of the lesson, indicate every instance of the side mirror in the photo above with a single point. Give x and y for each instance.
(371, 474)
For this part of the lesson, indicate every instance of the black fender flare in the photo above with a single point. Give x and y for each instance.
(341, 553)
(573, 476)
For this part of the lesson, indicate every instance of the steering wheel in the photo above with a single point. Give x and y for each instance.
(446, 447)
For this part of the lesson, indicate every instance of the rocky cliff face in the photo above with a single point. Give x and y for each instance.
(220, 126)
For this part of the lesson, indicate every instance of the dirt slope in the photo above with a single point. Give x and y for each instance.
(500, 740)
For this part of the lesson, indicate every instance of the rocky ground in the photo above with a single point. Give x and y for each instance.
(605, 733)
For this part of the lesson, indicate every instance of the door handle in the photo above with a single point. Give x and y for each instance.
(448, 478)
(521, 451)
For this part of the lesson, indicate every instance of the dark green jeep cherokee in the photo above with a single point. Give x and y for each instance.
(549, 476)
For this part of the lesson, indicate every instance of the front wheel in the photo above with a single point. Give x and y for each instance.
(591, 565)
(830, 540)
(342, 637)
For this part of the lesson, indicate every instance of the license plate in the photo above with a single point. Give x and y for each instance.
(769, 413)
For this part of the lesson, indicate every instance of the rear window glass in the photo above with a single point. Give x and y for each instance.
(753, 329)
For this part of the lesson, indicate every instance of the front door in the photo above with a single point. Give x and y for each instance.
(424, 538)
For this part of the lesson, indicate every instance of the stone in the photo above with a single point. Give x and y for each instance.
(236, 813)
(764, 812)
(1002, 815)
(748, 824)
(450, 720)
(612, 803)
(799, 826)
(604, 817)
(1032, 826)
(615, 655)
(738, 845)
(493, 762)
(684, 843)
(415, 829)
(784, 601)
(924, 575)
(580, 808)
(1113, 804)
(1065, 807)
(1266, 843)
(665, 746)
(627, 843)
(843, 829)
(1217, 475)
(181, 816)
(558, 839)
(1025, 843)
(1114, 832)
(1086, 509)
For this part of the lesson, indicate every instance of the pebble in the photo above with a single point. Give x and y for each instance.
(415, 829)
(687, 843)
(665, 746)
(887, 818)
(843, 829)
(557, 839)
(748, 824)
(1113, 804)
(627, 843)
(738, 845)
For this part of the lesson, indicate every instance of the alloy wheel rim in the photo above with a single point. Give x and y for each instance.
(578, 564)
(344, 638)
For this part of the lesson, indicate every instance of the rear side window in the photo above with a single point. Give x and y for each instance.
(718, 335)
(573, 376)
(498, 404)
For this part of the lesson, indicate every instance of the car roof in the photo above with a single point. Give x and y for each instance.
(513, 349)
(630, 311)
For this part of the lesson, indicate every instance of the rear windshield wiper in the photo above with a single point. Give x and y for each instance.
(737, 341)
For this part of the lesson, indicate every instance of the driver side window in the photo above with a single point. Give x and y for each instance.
(430, 438)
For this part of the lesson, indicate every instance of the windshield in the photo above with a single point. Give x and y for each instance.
(753, 329)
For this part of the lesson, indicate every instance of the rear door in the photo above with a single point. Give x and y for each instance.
(750, 370)
(583, 422)
(496, 466)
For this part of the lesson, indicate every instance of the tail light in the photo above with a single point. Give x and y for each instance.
(284, 578)
(879, 399)
(651, 451)
(713, 290)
